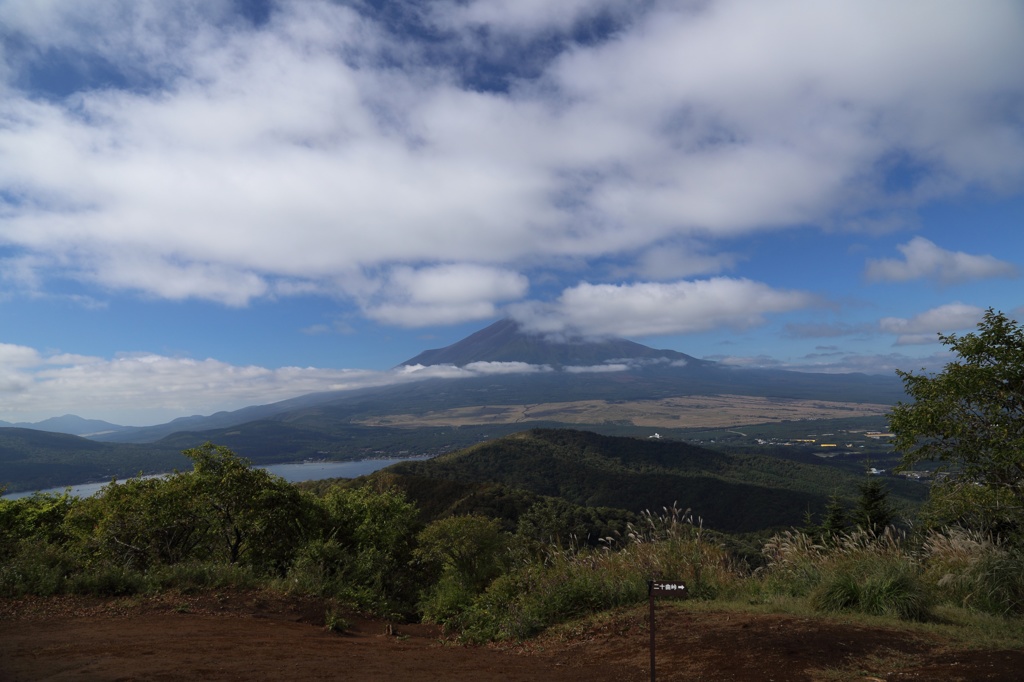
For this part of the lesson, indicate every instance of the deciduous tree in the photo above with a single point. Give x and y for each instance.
(970, 418)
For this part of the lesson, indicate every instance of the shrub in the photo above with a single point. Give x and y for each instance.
(973, 570)
(574, 582)
(881, 589)
(36, 567)
(870, 572)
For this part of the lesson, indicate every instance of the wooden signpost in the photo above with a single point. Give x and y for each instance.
(662, 588)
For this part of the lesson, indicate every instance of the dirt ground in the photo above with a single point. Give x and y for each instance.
(256, 636)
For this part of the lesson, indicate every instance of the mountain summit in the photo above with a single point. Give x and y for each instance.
(505, 341)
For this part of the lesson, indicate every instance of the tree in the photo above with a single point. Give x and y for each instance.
(873, 512)
(256, 515)
(463, 554)
(970, 418)
(144, 522)
(835, 519)
(374, 529)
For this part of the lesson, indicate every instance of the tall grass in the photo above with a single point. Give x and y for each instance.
(889, 573)
(573, 582)
(871, 572)
(972, 569)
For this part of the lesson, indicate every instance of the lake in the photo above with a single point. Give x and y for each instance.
(293, 473)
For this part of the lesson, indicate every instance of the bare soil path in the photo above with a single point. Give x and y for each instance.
(256, 636)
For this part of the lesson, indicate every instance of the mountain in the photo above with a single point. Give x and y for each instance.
(731, 492)
(31, 459)
(613, 371)
(70, 424)
(505, 341)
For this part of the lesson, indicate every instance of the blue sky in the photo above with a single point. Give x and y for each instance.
(211, 204)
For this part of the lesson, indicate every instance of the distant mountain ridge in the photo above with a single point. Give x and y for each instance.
(70, 424)
(505, 341)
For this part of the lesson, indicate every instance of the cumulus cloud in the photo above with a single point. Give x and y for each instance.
(672, 262)
(650, 308)
(925, 327)
(922, 259)
(147, 388)
(201, 156)
(506, 368)
(443, 294)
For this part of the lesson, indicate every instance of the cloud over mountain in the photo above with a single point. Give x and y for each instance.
(203, 156)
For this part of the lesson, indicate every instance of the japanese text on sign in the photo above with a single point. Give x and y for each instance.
(667, 587)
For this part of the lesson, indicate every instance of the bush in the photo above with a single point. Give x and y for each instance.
(461, 555)
(36, 567)
(883, 589)
(971, 569)
(571, 583)
(874, 573)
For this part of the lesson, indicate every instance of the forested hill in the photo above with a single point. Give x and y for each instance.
(731, 492)
(32, 459)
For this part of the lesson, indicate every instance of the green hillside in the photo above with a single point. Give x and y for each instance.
(35, 460)
(731, 492)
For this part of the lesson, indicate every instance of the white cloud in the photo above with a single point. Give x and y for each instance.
(506, 368)
(13, 356)
(673, 262)
(650, 309)
(588, 369)
(443, 294)
(925, 327)
(14, 361)
(841, 363)
(242, 162)
(147, 388)
(922, 259)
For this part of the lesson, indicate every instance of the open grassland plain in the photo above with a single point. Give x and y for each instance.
(695, 411)
(254, 635)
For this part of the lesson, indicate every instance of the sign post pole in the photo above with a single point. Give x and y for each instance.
(650, 599)
(661, 587)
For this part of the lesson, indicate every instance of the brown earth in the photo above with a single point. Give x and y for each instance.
(256, 636)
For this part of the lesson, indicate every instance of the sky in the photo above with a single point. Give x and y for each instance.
(208, 204)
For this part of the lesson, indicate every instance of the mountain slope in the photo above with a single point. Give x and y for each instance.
(33, 460)
(70, 424)
(504, 341)
(616, 370)
(732, 493)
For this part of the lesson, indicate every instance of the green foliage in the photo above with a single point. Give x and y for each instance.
(873, 512)
(875, 573)
(462, 555)
(36, 566)
(334, 621)
(33, 460)
(880, 589)
(835, 521)
(970, 417)
(255, 515)
(144, 522)
(572, 582)
(734, 493)
(973, 570)
(37, 516)
(363, 550)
